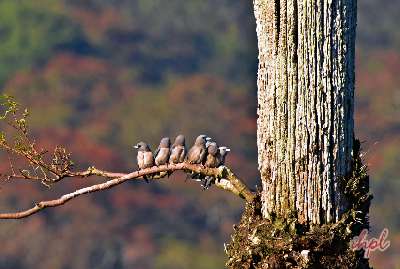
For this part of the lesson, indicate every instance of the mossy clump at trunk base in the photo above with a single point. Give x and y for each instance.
(277, 243)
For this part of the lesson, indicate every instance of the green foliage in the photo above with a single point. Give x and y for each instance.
(179, 255)
(12, 115)
(29, 31)
(175, 37)
(8, 105)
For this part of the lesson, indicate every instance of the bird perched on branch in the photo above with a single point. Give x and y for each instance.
(145, 157)
(212, 161)
(212, 158)
(215, 158)
(198, 151)
(223, 151)
(197, 154)
(163, 151)
(178, 150)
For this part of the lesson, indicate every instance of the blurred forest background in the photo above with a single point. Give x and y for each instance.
(98, 76)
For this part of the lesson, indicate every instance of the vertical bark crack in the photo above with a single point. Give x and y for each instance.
(305, 90)
(277, 22)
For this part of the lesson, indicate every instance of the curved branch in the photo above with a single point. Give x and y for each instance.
(225, 179)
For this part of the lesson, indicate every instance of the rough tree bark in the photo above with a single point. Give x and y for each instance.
(313, 181)
(305, 96)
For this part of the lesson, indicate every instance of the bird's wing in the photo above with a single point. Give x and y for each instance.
(203, 153)
(219, 159)
(148, 159)
(190, 153)
(183, 153)
(157, 151)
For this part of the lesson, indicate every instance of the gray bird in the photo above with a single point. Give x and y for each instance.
(198, 151)
(178, 150)
(223, 151)
(145, 157)
(212, 159)
(215, 158)
(163, 151)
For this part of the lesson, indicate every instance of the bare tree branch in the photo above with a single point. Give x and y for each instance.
(224, 179)
(49, 167)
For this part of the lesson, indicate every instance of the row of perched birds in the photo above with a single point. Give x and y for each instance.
(204, 151)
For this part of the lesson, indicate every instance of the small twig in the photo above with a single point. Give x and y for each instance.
(21, 176)
(11, 165)
(30, 158)
(230, 183)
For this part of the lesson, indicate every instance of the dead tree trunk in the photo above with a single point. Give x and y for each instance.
(305, 96)
(313, 182)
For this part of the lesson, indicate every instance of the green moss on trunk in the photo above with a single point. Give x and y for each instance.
(284, 243)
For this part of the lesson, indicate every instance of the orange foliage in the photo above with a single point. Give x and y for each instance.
(73, 65)
(378, 97)
(86, 150)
